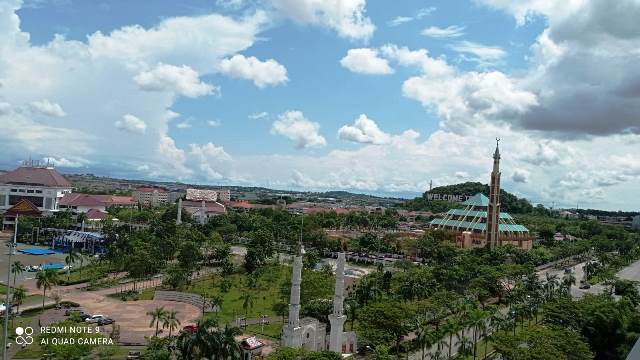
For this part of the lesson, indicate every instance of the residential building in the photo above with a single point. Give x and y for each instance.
(203, 210)
(151, 196)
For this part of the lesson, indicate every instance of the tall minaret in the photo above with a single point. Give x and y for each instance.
(179, 217)
(290, 334)
(337, 319)
(203, 213)
(493, 211)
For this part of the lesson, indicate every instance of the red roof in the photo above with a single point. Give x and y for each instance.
(248, 205)
(79, 199)
(23, 207)
(95, 214)
(212, 207)
(26, 175)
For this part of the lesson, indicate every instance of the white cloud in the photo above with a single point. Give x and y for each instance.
(435, 67)
(184, 125)
(346, 17)
(132, 124)
(68, 163)
(262, 73)
(259, 116)
(520, 176)
(364, 130)
(294, 126)
(48, 108)
(5, 108)
(214, 123)
(181, 80)
(366, 61)
(452, 31)
(399, 20)
(210, 159)
(479, 52)
(231, 4)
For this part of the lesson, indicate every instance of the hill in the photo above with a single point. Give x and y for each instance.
(510, 203)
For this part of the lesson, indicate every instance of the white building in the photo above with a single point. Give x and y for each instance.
(221, 195)
(41, 185)
(151, 196)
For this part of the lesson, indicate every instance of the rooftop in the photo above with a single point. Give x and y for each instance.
(38, 176)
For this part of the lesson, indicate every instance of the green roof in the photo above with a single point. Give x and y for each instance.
(477, 200)
(473, 213)
(477, 226)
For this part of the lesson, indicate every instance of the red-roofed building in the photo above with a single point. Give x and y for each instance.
(203, 212)
(82, 203)
(245, 205)
(41, 185)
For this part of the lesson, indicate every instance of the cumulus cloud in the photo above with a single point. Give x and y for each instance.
(366, 61)
(262, 73)
(520, 176)
(5, 108)
(67, 163)
(365, 131)
(132, 124)
(294, 126)
(452, 31)
(211, 159)
(181, 80)
(347, 17)
(48, 108)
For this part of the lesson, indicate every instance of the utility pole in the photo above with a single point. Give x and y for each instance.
(7, 307)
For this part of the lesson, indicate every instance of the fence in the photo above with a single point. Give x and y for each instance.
(189, 298)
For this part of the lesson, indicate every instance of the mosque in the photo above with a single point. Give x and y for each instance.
(480, 223)
(309, 333)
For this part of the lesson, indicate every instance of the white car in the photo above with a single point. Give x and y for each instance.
(95, 318)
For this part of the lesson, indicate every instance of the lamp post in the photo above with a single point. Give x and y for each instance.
(7, 307)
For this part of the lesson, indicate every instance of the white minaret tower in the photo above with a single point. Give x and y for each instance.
(203, 213)
(338, 318)
(179, 217)
(291, 334)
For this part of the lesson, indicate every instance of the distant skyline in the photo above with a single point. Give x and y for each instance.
(366, 96)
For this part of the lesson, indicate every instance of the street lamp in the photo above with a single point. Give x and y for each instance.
(7, 307)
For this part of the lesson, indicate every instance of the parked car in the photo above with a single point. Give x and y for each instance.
(132, 355)
(189, 329)
(95, 318)
(105, 321)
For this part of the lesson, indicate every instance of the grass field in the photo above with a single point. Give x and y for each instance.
(265, 293)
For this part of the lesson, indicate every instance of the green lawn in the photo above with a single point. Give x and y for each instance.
(271, 331)
(266, 293)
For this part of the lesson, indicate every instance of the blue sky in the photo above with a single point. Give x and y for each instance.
(376, 96)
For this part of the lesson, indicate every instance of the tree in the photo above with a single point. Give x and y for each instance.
(45, 280)
(17, 268)
(19, 294)
(451, 327)
(171, 321)
(385, 322)
(71, 259)
(157, 316)
(247, 302)
(542, 343)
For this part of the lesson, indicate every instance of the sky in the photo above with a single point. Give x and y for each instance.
(376, 97)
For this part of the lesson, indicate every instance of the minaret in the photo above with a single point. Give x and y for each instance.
(338, 318)
(179, 217)
(203, 213)
(493, 210)
(290, 335)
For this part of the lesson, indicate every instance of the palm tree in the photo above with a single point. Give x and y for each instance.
(71, 258)
(46, 279)
(157, 315)
(477, 318)
(228, 348)
(216, 302)
(17, 268)
(247, 302)
(171, 321)
(451, 327)
(568, 280)
(19, 294)
(82, 257)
